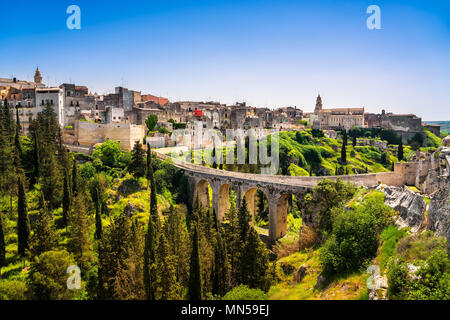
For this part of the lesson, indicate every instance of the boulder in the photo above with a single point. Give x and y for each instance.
(439, 212)
(300, 274)
(446, 141)
(320, 282)
(410, 206)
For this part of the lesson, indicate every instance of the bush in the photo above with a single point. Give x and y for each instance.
(353, 242)
(12, 290)
(47, 279)
(108, 152)
(87, 170)
(243, 292)
(430, 282)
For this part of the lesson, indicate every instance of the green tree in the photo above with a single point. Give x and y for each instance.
(325, 196)
(400, 151)
(47, 279)
(23, 222)
(353, 242)
(2, 246)
(167, 286)
(151, 239)
(137, 165)
(244, 221)
(178, 239)
(44, 236)
(255, 262)
(109, 153)
(66, 200)
(80, 243)
(344, 148)
(113, 254)
(151, 122)
(195, 276)
(74, 178)
(221, 275)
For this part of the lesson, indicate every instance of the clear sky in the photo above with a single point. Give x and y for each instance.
(267, 53)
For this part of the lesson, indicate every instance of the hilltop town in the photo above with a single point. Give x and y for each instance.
(89, 118)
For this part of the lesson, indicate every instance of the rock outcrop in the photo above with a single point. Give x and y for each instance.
(410, 206)
(300, 274)
(439, 212)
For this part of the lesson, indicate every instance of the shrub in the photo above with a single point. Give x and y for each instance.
(12, 290)
(430, 282)
(353, 242)
(48, 276)
(243, 292)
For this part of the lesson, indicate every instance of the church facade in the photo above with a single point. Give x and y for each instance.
(337, 118)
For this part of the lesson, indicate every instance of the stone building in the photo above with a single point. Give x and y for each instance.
(338, 118)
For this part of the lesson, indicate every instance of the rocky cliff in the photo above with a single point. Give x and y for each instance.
(411, 206)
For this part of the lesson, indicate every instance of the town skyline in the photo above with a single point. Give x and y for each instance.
(264, 53)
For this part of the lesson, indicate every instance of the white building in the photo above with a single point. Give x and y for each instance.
(54, 97)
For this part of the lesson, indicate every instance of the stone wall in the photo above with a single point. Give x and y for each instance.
(88, 133)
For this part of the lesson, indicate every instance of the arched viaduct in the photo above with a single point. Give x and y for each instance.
(277, 189)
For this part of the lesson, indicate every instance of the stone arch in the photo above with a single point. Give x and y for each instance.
(278, 216)
(223, 200)
(201, 193)
(250, 197)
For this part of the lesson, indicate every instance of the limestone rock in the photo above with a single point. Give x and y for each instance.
(446, 141)
(320, 281)
(300, 274)
(439, 212)
(411, 206)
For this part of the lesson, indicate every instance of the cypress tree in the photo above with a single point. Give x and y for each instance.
(400, 151)
(36, 158)
(137, 165)
(167, 287)
(74, 178)
(344, 148)
(221, 267)
(149, 164)
(98, 217)
(66, 200)
(2, 246)
(151, 236)
(255, 262)
(195, 276)
(354, 140)
(23, 222)
(244, 221)
(44, 237)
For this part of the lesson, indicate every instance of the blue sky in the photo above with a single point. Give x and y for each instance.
(268, 53)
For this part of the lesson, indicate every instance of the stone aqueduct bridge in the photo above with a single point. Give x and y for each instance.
(277, 189)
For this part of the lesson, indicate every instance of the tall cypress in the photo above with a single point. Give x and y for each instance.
(98, 217)
(23, 222)
(66, 200)
(195, 275)
(344, 148)
(151, 235)
(74, 178)
(221, 267)
(244, 221)
(2, 246)
(400, 151)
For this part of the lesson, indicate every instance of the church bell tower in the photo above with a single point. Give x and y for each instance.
(318, 104)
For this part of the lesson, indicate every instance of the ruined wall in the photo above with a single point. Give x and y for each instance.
(88, 133)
